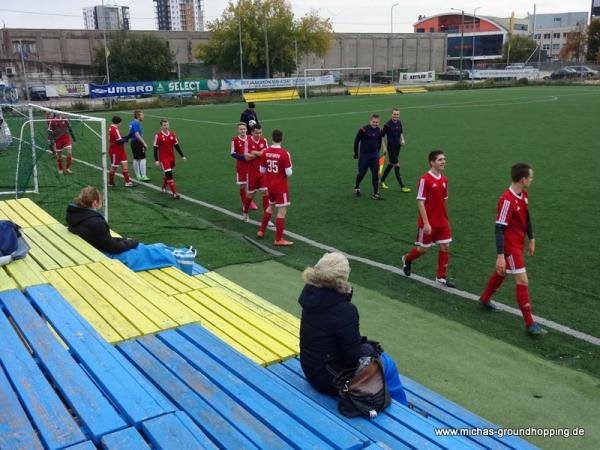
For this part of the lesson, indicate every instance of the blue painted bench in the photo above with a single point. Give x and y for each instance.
(442, 413)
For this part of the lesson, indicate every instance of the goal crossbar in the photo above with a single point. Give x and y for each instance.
(334, 69)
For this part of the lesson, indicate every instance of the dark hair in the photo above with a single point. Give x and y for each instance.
(163, 121)
(136, 113)
(520, 170)
(251, 105)
(116, 119)
(86, 197)
(277, 136)
(374, 116)
(256, 127)
(434, 154)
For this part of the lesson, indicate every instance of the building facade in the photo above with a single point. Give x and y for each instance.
(107, 17)
(551, 30)
(179, 15)
(595, 11)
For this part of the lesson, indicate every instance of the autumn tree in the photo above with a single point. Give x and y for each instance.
(574, 48)
(266, 27)
(593, 40)
(518, 48)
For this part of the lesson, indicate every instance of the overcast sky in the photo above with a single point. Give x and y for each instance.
(346, 15)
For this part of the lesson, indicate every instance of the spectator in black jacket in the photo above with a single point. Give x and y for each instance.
(329, 329)
(249, 117)
(85, 221)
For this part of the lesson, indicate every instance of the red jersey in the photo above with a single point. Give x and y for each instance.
(239, 146)
(254, 164)
(434, 191)
(274, 162)
(165, 143)
(512, 212)
(58, 126)
(114, 135)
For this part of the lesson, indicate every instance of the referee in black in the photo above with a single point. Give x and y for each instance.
(368, 139)
(395, 140)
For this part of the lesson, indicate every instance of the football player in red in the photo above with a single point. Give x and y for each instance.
(60, 134)
(239, 151)
(276, 165)
(513, 223)
(257, 144)
(51, 145)
(433, 224)
(117, 153)
(164, 156)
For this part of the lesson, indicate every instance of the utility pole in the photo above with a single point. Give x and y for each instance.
(462, 38)
(105, 49)
(240, 36)
(267, 49)
(473, 55)
(21, 51)
(392, 37)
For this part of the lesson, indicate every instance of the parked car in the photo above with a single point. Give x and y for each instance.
(38, 93)
(452, 73)
(583, 71)
(563, 73)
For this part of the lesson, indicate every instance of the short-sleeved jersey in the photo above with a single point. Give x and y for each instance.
(165, 143)
(58, 126)
(114, 135)
(254, 164)
(135, 126)
(434, 192)
(273, 162)
(393, 131)
(512, 212)
(239, 146)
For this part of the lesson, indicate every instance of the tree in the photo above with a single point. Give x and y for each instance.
(133, 58)
(262, 22)
(593, 40)
(574, 47)
(520, 48)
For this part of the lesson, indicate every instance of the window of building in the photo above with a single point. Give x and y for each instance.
(420, 30)
(432, 29)
(565, 35)
(556, 35)
(26, 46)
(546, 47)
(555, 46)
(546, 35)
(538, 36)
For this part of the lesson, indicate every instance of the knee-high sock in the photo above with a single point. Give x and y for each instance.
(243, 194)
(279, 226)
(386, 172)
(524, 305)
(143, 167)
(398, 177)
(443, 258)
(126, 176)
(265, 202)
(493, 284)
(111, 175)
(265, 221)
(59, 161)
(246, 205)
(412, 255)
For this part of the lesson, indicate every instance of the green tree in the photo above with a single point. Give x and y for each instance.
(257, 18)
(520, 48)
(135, 58)
(593, 39)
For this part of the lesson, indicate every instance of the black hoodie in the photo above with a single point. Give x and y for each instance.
(329, 335)
(93, 228)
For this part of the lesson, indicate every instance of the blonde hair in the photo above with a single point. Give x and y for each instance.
(87, 196)
(331, 271)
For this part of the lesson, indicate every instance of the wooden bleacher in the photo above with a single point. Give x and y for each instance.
(412, 90)
(271, 96)
(373, 90)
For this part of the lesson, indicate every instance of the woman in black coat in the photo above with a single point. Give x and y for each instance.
(329, 328)
(85, 221)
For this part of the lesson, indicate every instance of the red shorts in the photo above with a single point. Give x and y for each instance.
(438, 235)
(241, 177)
(515, 263)
(63, 142)
(279, 199)
(117, 157)
(256, 182)
(167, 164)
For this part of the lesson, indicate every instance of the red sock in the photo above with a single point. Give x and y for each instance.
(59, 161)
(524, 305)
(279, 226)
(265, 202)
(493, 284)
(125, 176)
(69, 158)
(443, 258)
(111, 177)
(412, 255)
(243, 195)
(265, 221)
(171, 184)
(246, 205)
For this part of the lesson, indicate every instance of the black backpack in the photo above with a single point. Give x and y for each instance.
(363, 391)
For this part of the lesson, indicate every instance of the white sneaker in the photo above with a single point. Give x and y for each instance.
(245, 218)
(271, 225)
(445, 282)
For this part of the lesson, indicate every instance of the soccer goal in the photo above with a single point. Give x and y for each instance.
(342, 77)
(36, 165)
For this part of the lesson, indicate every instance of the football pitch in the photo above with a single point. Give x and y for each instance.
(483, 132)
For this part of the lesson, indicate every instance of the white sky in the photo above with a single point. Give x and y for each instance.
(346, 15)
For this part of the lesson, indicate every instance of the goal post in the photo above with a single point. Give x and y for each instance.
(347, 76)
(36, 166)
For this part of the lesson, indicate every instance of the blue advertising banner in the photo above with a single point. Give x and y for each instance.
(121, 89)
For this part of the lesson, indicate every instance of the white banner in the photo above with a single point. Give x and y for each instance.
(270, 83)
(417, 77)
(515, 73)
(68, 90)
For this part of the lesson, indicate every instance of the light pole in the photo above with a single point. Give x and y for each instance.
(462, 38)
(391, 36)
(106, 51)
(240, 36)
(25, 82)
(267, 48)
(473, 56)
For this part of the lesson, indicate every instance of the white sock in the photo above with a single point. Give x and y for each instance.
(136, 168)
(143, 167)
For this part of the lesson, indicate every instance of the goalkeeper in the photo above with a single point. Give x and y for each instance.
(249, 117)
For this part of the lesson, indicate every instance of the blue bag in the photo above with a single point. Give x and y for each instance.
(12, 244)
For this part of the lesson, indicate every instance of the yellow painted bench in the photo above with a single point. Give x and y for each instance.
(373, 90)
(269, 96)
(6, 282)
(412, 90)
(25, 213)
(171, 280)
